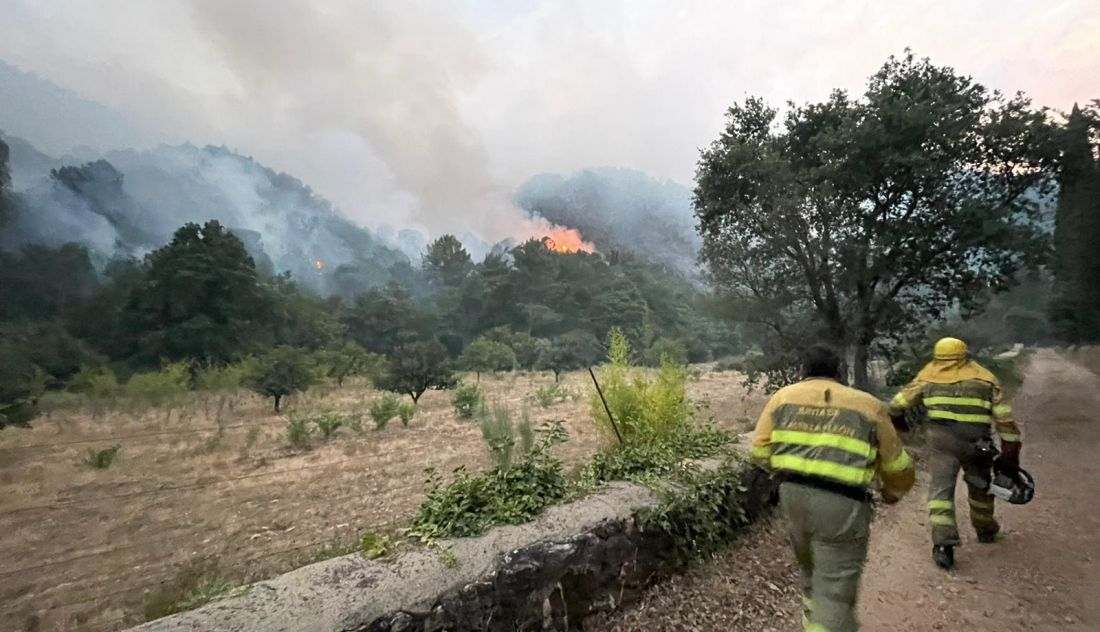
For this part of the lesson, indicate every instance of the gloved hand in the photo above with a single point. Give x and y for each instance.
(1010, 453)
(900, 424)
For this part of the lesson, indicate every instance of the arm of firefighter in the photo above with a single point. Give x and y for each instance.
(762, 436)
(1006, 426)
(893, 464)
(906, 398)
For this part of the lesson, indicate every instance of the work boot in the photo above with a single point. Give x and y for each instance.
(944, 556)
(988, 537)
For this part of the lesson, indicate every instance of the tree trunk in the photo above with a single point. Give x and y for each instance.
(557, 377)
(859, 366)
(278, 401)
(416, 397)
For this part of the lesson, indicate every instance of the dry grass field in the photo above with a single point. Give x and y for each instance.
(208, 487)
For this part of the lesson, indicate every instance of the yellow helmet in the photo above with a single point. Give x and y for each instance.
(950, 349)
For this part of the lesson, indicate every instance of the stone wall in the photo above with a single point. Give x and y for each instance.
(576, 559)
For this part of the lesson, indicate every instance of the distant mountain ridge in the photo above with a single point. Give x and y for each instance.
(129, 202)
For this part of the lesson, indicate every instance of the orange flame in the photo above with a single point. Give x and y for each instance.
(320, 266)
(566, 240)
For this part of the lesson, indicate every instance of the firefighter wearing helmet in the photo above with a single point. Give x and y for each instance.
(828, 443)
(964, 405)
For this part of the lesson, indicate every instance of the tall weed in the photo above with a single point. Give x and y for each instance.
(406, 411)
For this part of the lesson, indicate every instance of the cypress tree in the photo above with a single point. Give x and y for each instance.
(1075, 309)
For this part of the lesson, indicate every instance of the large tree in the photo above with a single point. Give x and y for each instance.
(417, 367)
(201, 299)
(859, 220)
(1075, 308)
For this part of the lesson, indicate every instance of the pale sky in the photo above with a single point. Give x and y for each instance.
(430, 113)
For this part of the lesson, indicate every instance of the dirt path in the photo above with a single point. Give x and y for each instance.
(1044, 575)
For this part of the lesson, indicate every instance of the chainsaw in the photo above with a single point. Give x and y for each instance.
(1008, 482)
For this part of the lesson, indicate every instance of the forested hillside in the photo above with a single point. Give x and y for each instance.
(94, 287)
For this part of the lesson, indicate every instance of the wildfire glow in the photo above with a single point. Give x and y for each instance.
(320, 266)
(566, 240)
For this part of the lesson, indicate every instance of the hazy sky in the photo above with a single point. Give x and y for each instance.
(430, 113)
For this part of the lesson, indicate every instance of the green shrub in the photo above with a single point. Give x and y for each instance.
(383, 409)
(406, 411)
(467, 399)
(95, 382)
(157, 387)
(655, 457)
(223, 378)
(547, 396)
(642, 406)
(666, 350)
(472, 503)
(298, 431)
(703, 514)
(328, 422)
(101, 459)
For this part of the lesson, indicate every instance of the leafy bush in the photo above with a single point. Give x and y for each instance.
(547, 396)
(653, 457)
(383, 409)
(666, 350)
(157, 387)
(703, 514)
(466, 400)
(229, 377)
(328, 423)
(472, 503)
(298, 431)
(95, 382)
(406, 411)
(643, 407)
(101, 459)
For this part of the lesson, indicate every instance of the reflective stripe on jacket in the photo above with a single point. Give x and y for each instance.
(821, 428)
(970, 401)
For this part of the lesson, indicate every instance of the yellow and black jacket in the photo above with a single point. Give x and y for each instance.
(959, 392)
(822, 429)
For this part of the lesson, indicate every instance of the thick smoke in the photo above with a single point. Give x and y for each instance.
(126, 203)
(620, 209)
(378, 84)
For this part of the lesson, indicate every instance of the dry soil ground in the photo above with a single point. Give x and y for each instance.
(82, 549)
(1044, 575)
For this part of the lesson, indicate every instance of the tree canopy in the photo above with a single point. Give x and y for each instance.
(201, 298)
(859, 220)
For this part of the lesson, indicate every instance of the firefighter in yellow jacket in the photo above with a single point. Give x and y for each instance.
(827, 442)
(964, 404)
